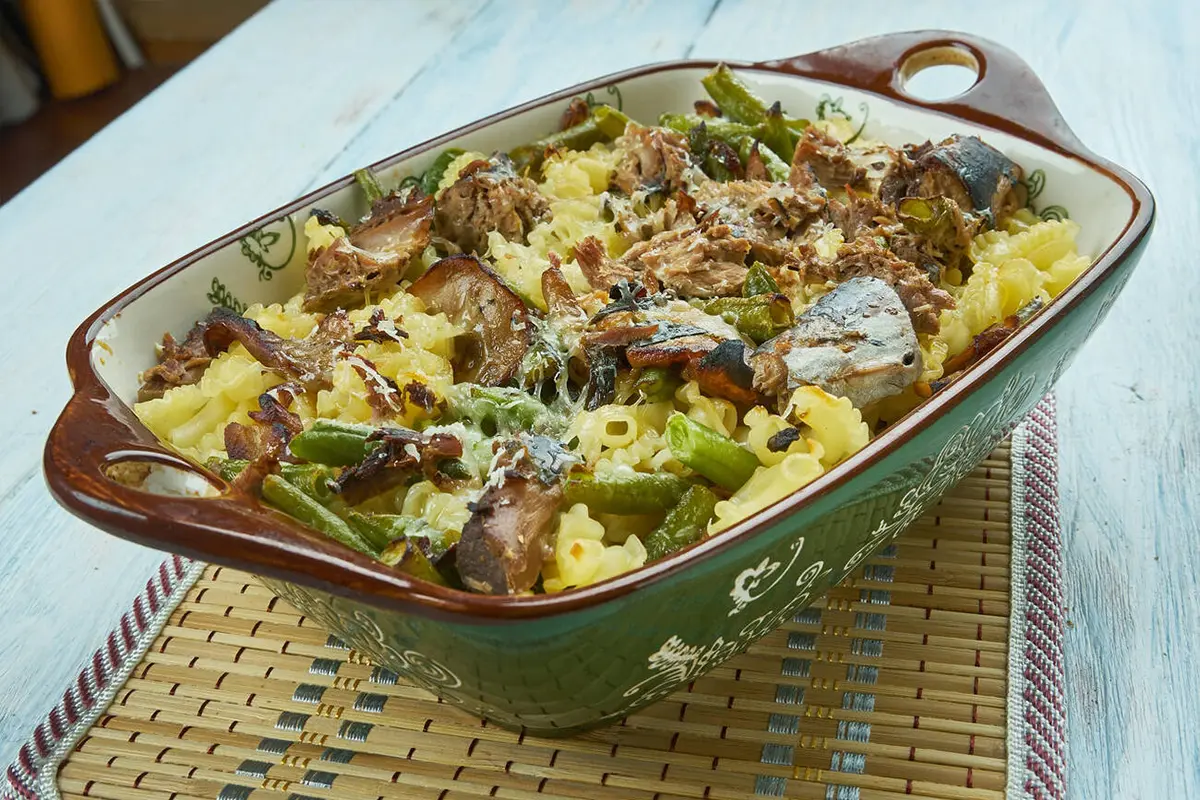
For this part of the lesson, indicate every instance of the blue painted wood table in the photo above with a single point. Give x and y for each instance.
(306, 91)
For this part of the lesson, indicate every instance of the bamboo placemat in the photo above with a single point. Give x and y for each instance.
(892, 685)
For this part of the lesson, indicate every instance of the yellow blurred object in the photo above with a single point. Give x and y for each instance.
(72, 46)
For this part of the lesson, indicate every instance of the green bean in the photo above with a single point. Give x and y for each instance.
(733, 97)
(504, 409)
(338, 444)
(624, 492)
(604, 124)
(759, 281)
(406, 556)
(656, 384)
(292, 501)
(227, 468)
(761, 317)
(726, 131)
(369, 184)
(312, 479)
(714, 455)
(776, 134)
(431, 177)
(686, 523)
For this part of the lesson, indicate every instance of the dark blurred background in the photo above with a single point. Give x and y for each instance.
(69, 67)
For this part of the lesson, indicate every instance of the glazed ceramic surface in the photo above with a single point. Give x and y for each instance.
(562, 663)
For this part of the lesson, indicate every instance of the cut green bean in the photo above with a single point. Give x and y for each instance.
(728, 132)
(501, 409)
(431, 177)
(624, 492)
(406, 556)
(733, 97)
(714, 455)
(295, 503)
(604, 124)
(776, 134)
(761, 317)
(369, 184)
(227, 468)
(759, 281)
(338, 444)
(656, 384)
(312, 479)
(685, 524)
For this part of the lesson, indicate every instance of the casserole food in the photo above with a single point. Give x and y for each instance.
(577, 659)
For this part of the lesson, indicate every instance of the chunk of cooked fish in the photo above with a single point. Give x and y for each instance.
(855, 342)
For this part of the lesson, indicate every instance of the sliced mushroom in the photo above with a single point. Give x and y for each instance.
(495, 321)
(309, 360)
(504, 543)
(372, 257)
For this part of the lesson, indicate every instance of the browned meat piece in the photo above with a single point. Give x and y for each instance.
(179, 364)
(756, 168)
(826, 157)
(309, 360)
(274, 411)
(707, 108)
(373, 256)
(670, 352)
(577, 111)
(495, 321)
(507, 538)
(706, 261)
(380, 329)
(560, 300)
(489, 196)
(725, 372)
(636, 223)
(601, 271)
(866, 257)
(402, 454)
(654, 158)
(263, 442)
(383, 395)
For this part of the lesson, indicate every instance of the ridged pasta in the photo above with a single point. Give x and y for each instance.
(581, 556)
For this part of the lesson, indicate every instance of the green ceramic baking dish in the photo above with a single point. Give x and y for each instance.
(555, 664)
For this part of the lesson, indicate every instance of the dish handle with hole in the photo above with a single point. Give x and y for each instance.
(1006, 91)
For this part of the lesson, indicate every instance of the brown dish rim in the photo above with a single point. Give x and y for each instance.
(96, 429)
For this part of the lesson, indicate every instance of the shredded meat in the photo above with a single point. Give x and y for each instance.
(637, 223)
(601, 271)
(756, 168)
(179, 364)
(489, 196)
(654, 158)
(401, 454)
(708, 260)
(861, 215)
(765, 213)
(273, 411)
(866, 257)
(372, 257)
(826, 157)
(309, 361)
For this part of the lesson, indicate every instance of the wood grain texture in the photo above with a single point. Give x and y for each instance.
(290, 101)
